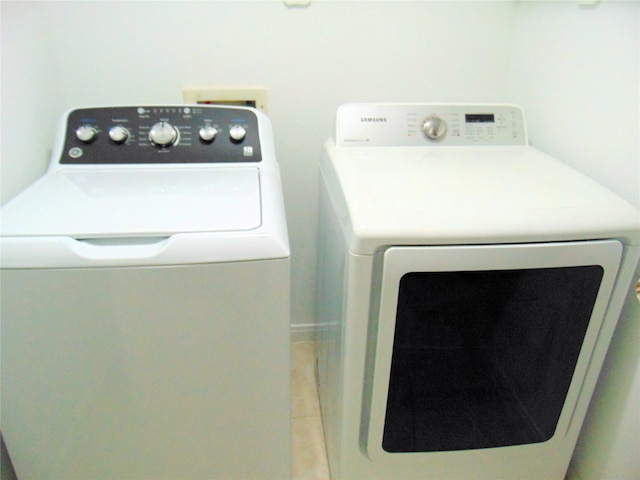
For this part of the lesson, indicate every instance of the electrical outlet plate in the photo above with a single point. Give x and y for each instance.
(251, 97)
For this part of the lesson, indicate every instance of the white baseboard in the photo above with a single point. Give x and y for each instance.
(303, 332)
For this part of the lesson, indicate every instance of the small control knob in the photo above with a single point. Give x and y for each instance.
(86, 133)
(163, 134)
(237, 133)
(207, 133)
(118, 134)
(434, 127)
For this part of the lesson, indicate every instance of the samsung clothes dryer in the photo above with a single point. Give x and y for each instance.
(145, 301)
(469, 286)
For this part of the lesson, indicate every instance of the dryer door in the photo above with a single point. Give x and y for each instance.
(484, 346)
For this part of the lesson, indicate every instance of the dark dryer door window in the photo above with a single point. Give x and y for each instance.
(483, 358)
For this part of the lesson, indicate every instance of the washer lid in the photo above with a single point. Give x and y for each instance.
(104, 203)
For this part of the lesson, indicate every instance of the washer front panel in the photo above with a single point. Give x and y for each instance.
(90, 134)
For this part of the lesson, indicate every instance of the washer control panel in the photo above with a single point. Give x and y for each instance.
(398, 125)
(161, 135)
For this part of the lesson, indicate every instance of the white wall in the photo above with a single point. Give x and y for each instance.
(311, 60)
(28, 89)
(575, 71)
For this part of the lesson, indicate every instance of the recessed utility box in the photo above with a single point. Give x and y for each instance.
(246, 97)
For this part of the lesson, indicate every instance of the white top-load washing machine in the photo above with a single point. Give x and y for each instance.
(145, 300)
(469, 286)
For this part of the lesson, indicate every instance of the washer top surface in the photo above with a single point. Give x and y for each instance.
(475, 192)
(151, 185)
(99, 203)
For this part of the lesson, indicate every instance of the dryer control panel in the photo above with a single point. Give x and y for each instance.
(398, 125)
(161, 135)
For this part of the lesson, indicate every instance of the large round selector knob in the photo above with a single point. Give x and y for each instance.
(118, 134)
(208, 133)
(163, 134)
(237, 133)
(434, 127)
(86, 133)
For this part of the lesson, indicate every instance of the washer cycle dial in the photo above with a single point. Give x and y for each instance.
(435, 128)
(163, 134)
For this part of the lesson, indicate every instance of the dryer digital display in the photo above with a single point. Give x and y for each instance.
(479, 118)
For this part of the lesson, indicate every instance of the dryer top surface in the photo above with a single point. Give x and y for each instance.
(461, 195)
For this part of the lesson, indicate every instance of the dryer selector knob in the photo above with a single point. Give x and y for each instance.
(434, 128)
(163, 134)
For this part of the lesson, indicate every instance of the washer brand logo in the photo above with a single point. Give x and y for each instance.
(373, 119)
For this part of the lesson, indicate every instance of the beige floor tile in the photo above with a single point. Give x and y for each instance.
(304, 391)
(309, 454)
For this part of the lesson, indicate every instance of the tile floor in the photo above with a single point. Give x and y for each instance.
(309, 456)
